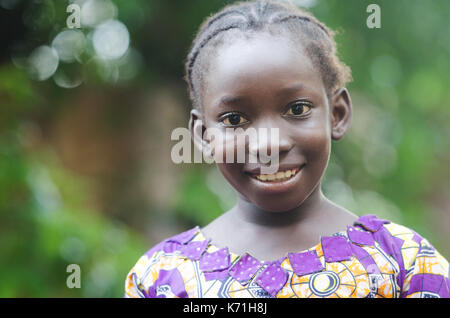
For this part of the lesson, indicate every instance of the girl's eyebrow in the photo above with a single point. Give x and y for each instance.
(228, 100)
(238, 99)
(290, 89)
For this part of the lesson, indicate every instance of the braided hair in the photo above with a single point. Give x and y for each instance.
(246, 17)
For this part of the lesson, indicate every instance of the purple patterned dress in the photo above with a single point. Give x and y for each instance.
(372, 258)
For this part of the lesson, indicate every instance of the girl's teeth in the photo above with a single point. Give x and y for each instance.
(277, 176)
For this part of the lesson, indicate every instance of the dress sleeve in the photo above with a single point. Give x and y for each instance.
(133, 286)
(428, 273)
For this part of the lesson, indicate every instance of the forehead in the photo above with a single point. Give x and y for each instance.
(261, 63)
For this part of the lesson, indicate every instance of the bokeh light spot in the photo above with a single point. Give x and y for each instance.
(94, 12)
(111, 40)
(69, 45)
(43, 62)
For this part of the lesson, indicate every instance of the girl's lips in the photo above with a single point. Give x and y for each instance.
(256, 170)
(281, 181)
(278, 176)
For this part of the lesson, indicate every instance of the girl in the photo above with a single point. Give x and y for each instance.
(265, 64)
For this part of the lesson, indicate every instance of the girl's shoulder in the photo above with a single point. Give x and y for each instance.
(421, 270)
(399, 241)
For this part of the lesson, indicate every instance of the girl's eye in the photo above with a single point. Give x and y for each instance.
(234, 120)
(298, 109)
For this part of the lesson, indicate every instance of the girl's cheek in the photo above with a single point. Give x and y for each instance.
(228, 148)
(317, 146)
(223, 148)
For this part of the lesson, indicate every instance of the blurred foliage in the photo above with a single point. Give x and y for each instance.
(45, 225)
(393, 161)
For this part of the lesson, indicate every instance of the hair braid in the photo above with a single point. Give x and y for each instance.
(262, 15)
(304, 18)
(196, 51)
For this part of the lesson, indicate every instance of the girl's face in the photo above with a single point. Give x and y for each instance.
(265, 82)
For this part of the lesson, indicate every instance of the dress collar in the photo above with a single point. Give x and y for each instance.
(272, 275)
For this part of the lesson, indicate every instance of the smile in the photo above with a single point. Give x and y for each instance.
(278, 176)
(282, 181)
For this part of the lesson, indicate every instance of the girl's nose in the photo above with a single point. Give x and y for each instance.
(270, 142)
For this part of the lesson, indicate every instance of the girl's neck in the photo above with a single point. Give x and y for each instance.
(271, 235)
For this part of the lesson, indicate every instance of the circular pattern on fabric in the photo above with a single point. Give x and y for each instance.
(324, 283)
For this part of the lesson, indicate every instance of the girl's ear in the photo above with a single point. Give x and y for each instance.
(341, 113)
(197, 130)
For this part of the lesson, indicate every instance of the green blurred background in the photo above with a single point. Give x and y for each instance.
(86, 117)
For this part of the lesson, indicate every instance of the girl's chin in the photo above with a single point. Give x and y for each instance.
(275, 206)
(276, 203)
